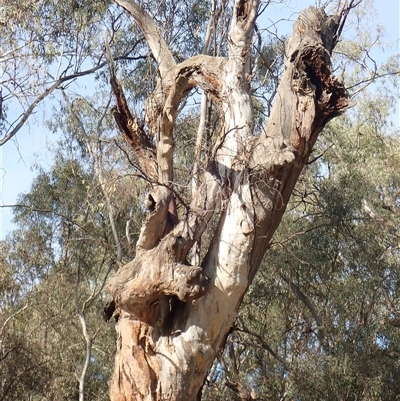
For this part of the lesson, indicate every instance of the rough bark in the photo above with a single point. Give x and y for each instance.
(173, 318)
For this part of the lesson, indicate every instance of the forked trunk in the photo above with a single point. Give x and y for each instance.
(173, 318)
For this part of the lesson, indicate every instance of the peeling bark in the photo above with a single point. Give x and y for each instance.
(173, 318)
(308, 97)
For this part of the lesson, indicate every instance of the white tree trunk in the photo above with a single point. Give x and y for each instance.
(172, 318)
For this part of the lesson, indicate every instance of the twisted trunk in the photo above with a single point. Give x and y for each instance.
(173, 318)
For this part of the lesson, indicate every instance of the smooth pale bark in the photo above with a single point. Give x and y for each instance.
(173, 318)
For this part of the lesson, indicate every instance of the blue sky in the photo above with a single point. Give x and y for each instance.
(30, 146)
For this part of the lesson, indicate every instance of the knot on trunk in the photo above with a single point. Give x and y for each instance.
(188, 282)
(154, 274)
(312, 76)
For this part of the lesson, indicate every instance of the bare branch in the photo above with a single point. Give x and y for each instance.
(57, 84)
(8, 319)
(152, 33)
(341, 16)
(310, 306)
(63, 216)
(262, 343)
(129, 125)
(88, 341)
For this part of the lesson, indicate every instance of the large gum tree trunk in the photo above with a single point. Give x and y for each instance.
(173, 318)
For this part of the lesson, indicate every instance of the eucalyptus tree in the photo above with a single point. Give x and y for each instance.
(173, 316)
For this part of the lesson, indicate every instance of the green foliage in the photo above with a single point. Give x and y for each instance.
(54, 265)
